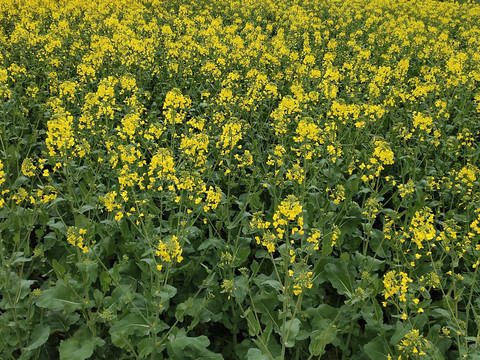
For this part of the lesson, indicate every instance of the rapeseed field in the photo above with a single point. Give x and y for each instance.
(233, 179)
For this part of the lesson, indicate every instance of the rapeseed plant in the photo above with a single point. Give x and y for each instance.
(312, 160)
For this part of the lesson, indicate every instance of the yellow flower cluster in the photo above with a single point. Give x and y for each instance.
(422, 122)
(109, 201)
(315, 238)
(213, 198)
(169, 250)
(289, 210)
(302, 281)
(231, 135)
(2, 173)
(75, 236)
(406, 189)
(175, 106)
(28, 167)
(287, 215)
(60, 135)
(382, 155)
(422, 228)
(2, 180)
(414, 344)
(396, 284)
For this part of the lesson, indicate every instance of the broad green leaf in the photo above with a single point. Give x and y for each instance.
(255, 354)
(294, 326)
(316, 315)
(274, 284)
(240, 290)
(339, 276)
(57, 225)
(183, 308)
(322, 337)
(400, 332)
(80, 346)
(240, 255)
(379, 244)
(183, 347)
(105, 280)
(85, 208)
(253, 325)
(376, 349)
(61, 321)
(59, 269)
(90, 269)
(367, 262)
(131, 325)
(39, 336)
(213, 241)
(146, 347)
(19, 258)
(167, 292)
(59, 296)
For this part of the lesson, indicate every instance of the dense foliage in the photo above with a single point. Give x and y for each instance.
(239, 179)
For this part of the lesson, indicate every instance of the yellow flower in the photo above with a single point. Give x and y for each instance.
(2, 173)
(75, 237)
(60, 134)
(302, 282)
(289, 208)
(28, 168)
(109, 201)
(231, 135)
(175, 106)
(396, 284)
(169, 250)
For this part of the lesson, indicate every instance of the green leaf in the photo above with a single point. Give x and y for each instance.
(105, 281)
(80, 346)
(85, 208)
(89, 269)
(115, 274)
(376, 349)
(294, 326)
(130, 325)
(379, 244)
(61, 321)
(323, 311)
(255, 354)
(183, 347)
(240, 290)
(367, 262)
(39, 336)
(327, 247)
(59, 269)
(400, 332)
(59, 296)
(253, 325)
(240, 254)
(18, 289)
(340, 277)
(274, 284)
(321, 338)
(213, 241)
(167, 292)
(183, 308)
(57, 225)
(147, 346)
(19, 258)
